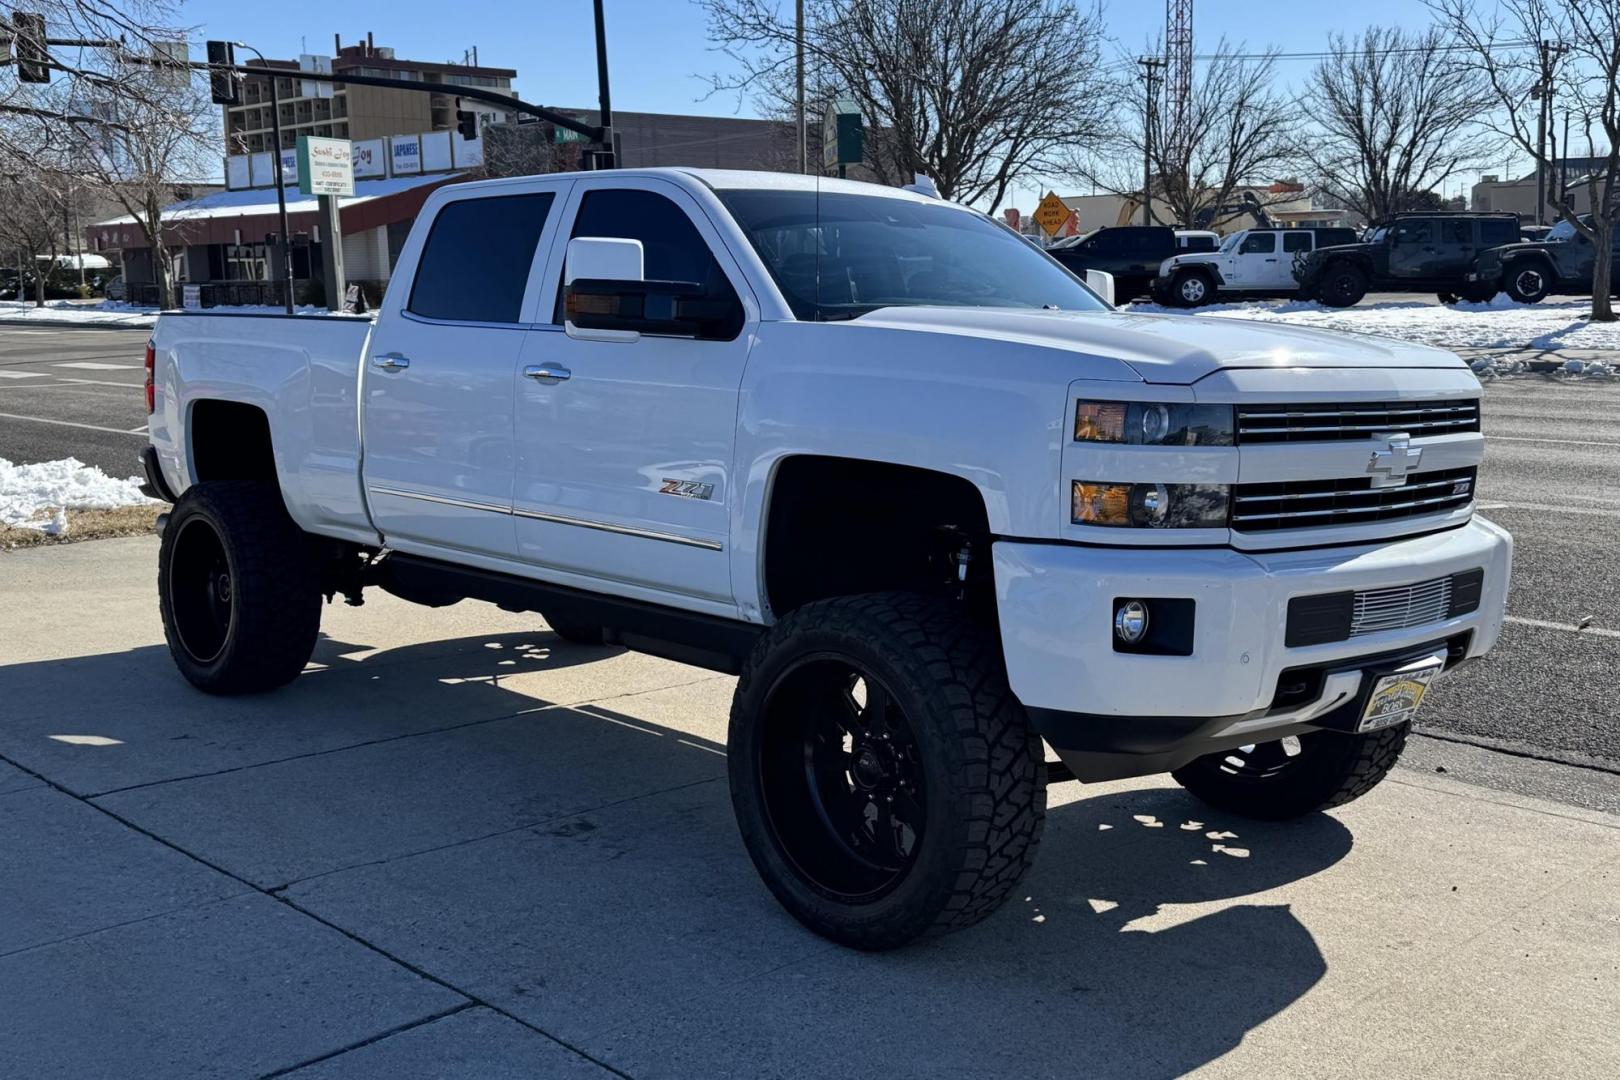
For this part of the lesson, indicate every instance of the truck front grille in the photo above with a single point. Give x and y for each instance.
(1355, 420)
(1426, 602)
(1304, 504)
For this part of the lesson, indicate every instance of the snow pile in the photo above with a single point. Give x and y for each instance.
(77, 312)
(1587, 367)
(1497, 324)
(26, 491)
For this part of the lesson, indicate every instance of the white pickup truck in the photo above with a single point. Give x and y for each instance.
(928, 494)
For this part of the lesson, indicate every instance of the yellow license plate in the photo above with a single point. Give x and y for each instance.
(1395, 698)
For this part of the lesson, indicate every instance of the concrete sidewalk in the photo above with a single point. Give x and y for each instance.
(461, 847)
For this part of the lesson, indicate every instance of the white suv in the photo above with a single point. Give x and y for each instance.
(1254, 262)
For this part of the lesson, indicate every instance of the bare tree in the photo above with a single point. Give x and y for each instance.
(1236, 136)
(974, 95)
(1399, 114)
(115, 118)
(33, 203)
(1527, 48)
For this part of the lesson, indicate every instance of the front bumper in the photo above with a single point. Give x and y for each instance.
(1110, 713)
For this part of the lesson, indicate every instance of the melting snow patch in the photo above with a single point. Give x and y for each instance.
(27, 491)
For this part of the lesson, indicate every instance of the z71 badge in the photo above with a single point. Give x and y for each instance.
(686, 489)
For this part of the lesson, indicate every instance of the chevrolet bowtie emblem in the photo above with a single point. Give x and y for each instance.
(1391, 463)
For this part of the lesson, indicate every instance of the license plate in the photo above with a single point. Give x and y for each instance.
(1395, 697)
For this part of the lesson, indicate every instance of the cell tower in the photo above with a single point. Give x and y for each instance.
(1178, 55)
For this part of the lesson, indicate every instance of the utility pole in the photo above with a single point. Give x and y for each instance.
(804, 150)
(1543, 91)
(285, 241)
(1150, 66)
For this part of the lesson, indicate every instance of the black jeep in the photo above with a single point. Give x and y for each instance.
(1416, 252)
(1562, 262)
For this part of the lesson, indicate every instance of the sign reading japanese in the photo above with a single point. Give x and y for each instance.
(407, 154)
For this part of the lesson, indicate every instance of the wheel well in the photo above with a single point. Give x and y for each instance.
(1537, 262)
(230, 441)
(837, 527)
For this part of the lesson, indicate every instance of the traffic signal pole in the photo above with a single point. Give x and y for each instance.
(283, 239)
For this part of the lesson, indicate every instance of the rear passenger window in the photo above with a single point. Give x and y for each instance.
(1497, 231)
(1260, 243)
(476, 262)
(1296, 241)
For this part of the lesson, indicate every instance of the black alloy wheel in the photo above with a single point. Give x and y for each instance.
(842, 780)
(201, 590)
(1527, 284)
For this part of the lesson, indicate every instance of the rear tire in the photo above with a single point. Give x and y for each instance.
(1342, 285)
(1329, 768)
(238, 588)
(885, 779)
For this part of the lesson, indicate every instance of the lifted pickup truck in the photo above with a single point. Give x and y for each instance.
(1416, 252)
(924, 491)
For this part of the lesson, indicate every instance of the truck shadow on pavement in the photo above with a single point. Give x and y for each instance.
(579, 868)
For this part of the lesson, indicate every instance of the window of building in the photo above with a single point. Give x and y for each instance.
(476, 261)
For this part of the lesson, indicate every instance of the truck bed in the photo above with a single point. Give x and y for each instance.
(303, 372)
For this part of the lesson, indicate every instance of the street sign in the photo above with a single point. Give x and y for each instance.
(325, 166)
(1051, 214)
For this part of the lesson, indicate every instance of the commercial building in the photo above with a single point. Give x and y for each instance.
(1518, 196)
(358, 112)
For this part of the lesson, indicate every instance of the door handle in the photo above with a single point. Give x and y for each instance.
(391, 361)
(553, 372)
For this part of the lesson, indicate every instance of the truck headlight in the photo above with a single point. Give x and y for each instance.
(1141, 423)
(1150, 506)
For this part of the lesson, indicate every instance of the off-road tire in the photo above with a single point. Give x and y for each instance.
(1342, 285)
(1182, 283)
(1527, 282)
(574, 630)
(274, 587)
(984, 775)
(1479, 294)
(1448, 298)
(1332, 769)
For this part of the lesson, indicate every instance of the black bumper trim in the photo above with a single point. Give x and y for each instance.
(155, 487)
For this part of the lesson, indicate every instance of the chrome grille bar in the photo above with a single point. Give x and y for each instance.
(1301, 504)
(1397, 608)
(1354, 420)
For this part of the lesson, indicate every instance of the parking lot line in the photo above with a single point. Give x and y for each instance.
(68, 423)
(1562, 442)
(1545, 624)
(6, 373)
(96, 365)
(1549, 508)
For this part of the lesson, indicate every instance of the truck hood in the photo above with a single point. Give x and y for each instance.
(1167, 348)
(1322, 254)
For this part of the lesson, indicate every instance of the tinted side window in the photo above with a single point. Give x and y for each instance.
(1456, 231)
(1414, 232)
(476, 261)
(672, 248)
(1107, 243)
(1330, 237)
(1259, 243)
(1494, 232)
(1296, 240)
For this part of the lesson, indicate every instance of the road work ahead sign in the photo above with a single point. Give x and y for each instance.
(325, 166)
(1051, 214)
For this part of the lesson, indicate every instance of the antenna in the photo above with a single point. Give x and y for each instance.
(1178, 49)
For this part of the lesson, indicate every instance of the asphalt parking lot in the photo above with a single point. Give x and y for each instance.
(1552, 476)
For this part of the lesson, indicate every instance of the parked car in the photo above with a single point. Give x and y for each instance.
(115, 288)
(1132, 253)
(1254, 262)
(1561, 263)
(932, 499)
(1416, 252)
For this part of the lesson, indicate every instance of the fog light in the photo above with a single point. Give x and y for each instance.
(1131, 621)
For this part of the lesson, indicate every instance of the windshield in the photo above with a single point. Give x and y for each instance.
(1564, 230)
(1231, 242)
(844, 255)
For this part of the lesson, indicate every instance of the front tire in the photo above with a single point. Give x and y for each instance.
(885, 779)
(1527, 284)
(1190, 289)
(1343, 285)
(238, 589)
(1289, 778)
(575, 631)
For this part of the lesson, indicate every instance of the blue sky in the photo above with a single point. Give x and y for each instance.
(657, 48)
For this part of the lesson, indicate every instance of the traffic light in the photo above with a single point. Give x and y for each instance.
(33, 62)
(223, 86)
(467, 124)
